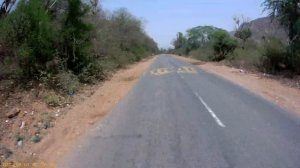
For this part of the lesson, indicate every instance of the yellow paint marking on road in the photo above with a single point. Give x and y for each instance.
(187, 70)
(160, 71)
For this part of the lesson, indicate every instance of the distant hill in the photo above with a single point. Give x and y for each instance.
(266, 27)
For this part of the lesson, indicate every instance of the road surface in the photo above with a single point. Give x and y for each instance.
(178, 116)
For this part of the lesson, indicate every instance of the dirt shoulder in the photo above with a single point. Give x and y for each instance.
(71, 122)
(274, 90)
(83, 116)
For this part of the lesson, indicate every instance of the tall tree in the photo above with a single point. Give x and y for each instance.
(76, 35)
(288, 13)
(180, 41)
(200, 35)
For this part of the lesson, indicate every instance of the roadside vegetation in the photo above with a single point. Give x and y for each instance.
(269, 55)
(49, 50)
(64, 43)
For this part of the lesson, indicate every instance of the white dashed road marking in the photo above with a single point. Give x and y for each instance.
(212, 113)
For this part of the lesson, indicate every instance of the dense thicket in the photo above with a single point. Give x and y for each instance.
(53, 41)
(288, 14)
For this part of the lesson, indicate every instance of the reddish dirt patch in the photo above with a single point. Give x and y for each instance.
(61, 127)
(26, 109)
(74, 124)
(281, 91)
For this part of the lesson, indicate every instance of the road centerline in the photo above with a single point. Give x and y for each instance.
(212, 113)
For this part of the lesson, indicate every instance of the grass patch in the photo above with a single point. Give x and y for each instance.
(54, 100)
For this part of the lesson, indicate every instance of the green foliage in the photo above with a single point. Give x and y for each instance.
(180, 41)
(91, 73)
(54, 100)
(199, 36)
(30, 31)
(76, 36)
(287, 11)
(196, 38)
(208, 43)
(66, 82)
(223, 44)
(274, 56)
(204, 53)
(279, 57)
(67, 43)
(248, 57)
(129, 32)
(120, 39)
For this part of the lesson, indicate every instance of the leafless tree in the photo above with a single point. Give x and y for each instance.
(94, 4)
(6, 6)
(241, 21)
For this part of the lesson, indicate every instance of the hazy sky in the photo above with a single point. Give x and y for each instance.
(164, 18)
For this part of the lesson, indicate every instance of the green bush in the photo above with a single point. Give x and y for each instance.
(36, 38)
(91, 73)
(274, 56)
(205, 53)
(67, 82)
(139, 53)
(180, 51)
(68, 43)
(223, 44)
(249, 57)
(246, 57)
(76, 35)
(54, 100)
(108, 65)
(124, 59)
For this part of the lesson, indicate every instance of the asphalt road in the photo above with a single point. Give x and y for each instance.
(178, 116)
